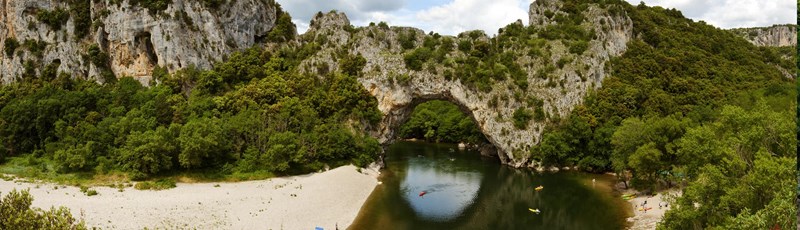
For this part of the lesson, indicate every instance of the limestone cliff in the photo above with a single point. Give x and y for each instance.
(777, 35)
(132, 40)
(399, 89)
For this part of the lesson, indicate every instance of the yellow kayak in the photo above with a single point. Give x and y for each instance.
(539, 188)
(535, 210)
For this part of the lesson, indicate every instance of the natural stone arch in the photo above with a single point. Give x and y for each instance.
(398, 89)
(400, 114)
(398, 104)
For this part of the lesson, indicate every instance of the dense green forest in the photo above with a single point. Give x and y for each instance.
(251, 116)
(441, 121)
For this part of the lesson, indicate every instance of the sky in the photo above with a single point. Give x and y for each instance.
(451, 17)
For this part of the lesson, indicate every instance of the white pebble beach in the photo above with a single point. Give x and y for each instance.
(328, 199)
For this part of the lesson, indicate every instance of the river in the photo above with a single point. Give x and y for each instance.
(463, 190)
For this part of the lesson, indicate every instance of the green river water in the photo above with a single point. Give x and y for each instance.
(466, 191)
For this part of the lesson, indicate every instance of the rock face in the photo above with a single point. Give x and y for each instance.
(134, 39)
(777, 35)
(399, 89)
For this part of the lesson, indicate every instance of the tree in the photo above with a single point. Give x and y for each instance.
(646, 162)
(147, 153)
(202, 143)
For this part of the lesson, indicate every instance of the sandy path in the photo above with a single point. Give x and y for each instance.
(323, 199)
(649, 219)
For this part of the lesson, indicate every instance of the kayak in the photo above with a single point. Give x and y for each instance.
(422, 193)
(535, 210)
(628, 197)
(539, 188)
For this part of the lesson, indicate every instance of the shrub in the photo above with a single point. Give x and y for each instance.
(81, 16)
(160, 184)
(54, 19)
(383, 25)
(578, 47)
(16, 213)
(465, 46)
(284, 29)
(11, 44)
(35, 47)
(521, 118)
(417, 58)
(352, 64)
(407, 40)
(153, 6)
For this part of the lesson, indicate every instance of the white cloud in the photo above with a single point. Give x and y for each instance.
(461, 15)
(455, 16)
(358, 10)
(733, 13)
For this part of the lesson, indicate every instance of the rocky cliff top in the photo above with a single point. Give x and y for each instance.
(777, 35)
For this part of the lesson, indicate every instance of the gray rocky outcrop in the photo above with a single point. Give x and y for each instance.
(135, 40)
(777, 35)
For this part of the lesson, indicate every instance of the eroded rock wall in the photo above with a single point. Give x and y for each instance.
(778, 35)
(134, 39)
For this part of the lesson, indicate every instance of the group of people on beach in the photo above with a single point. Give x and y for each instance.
(661, 204)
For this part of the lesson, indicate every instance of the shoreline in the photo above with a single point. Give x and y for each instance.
(328, 199)
(648, 219)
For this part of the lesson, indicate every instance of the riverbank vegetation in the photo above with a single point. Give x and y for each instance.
(252, 116)
(692, 106)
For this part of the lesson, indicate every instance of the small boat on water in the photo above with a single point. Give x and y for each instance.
(539, 188)
(422, 193)
(535, 210)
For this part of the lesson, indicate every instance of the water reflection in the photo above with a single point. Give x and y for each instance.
(447, 192)
(465, 191)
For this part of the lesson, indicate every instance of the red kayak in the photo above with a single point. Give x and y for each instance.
(422, 193)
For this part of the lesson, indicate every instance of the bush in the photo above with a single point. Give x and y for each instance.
(383, 25)
(578, 47)
(97, 56)
(415, 59)
(35, 47)
(352, 64)
(153, 6)
(160, 184)
(54, 19)
(521, 118)
(81, 15)
(407, 40)
(16, 213)
(11, 44)
(284, 29)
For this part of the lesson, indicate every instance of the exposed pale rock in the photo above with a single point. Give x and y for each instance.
(185, 34)
(778, 35)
